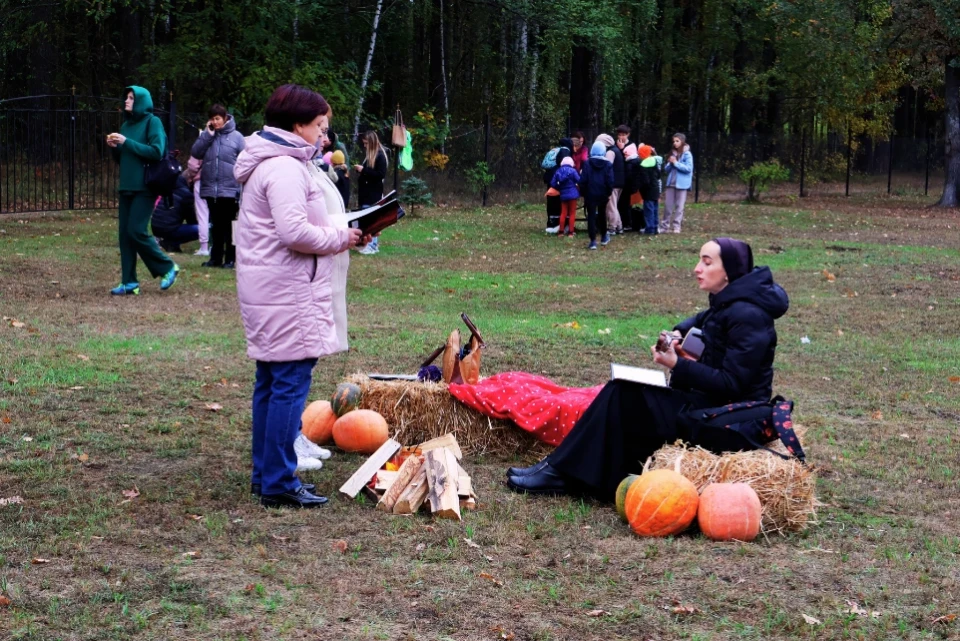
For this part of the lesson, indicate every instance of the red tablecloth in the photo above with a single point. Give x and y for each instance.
(536, 404)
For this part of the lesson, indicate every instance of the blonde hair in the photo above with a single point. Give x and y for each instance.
(373, 146)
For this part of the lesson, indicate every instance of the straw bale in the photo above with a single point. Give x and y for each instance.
(786, 488)
(418, 412)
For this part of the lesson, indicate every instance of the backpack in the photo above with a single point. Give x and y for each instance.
(550, 160)
(160, 177)
(756, 422)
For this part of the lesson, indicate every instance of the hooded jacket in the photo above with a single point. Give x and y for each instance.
(631, 168)
(680, 174)
(146, 140)
(648, 178)
(565, 180)
(219, 151)
(174, 210)
(285, 251)
(596, 179)
(740, 342)
(615, 156)
(564, 151)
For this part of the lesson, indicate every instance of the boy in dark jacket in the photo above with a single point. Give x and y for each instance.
(565, 180)
(651, 166)
(339, 163)
(174, 220)
(596, 186)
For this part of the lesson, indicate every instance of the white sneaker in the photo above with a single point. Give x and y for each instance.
(307, 448)
(368, 250)
(552, 230)
(308, 464)
(202, 252)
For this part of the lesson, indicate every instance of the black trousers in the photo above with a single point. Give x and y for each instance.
(624, 425)
(596, 220)
(553, 211)
(223, 211)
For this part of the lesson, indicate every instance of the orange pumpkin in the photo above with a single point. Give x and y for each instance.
(361, 431)
(729, 511)
(317, 422)
(661, 503)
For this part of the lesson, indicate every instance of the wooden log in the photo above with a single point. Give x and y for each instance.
(468, 504)
(442, 480)
(405, 474)
(464, 483)
(385, 479)
(447, 440)
(414, 494)
(363, 475)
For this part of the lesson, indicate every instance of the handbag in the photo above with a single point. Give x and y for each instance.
(756, 422)
(160, 176)
(399, 135)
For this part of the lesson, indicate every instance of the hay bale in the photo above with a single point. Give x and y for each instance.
(786, 488)
(417, 412)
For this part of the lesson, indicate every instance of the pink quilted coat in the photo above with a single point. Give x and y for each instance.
(285, 251)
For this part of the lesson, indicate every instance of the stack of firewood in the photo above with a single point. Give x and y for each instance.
(430, 475)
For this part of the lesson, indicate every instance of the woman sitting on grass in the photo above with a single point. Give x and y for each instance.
(628, 422)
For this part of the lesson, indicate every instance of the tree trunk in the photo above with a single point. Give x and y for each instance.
(366, 71)
(951, 185)
(443, 72)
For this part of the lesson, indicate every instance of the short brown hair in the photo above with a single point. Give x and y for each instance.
(291, 105)
(623, 129)
(216, 109)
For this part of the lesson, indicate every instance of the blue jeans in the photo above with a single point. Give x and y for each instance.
(651, 216)
(279, 396)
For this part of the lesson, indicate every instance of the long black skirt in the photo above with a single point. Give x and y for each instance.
(626, 423)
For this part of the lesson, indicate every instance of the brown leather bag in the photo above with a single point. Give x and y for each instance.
(470, 364)
(451, 358)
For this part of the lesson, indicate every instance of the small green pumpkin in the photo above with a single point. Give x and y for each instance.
(622, 495)
(346, 398)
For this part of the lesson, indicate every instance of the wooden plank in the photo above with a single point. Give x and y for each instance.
(405, 474)
(464, 483)
(468, 504)
(442, 480)
(447, 440)
(414, 494)
(363, 475)
(385, 479)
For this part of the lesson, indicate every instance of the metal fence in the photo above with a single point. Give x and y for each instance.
(53, 156)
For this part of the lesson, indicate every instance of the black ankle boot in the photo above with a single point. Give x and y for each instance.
(526, 471)
(299, 499)
(546, 480)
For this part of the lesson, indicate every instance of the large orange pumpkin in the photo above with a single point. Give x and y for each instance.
(317, 422)
(729, 511)
(661, 503)
(361, 431)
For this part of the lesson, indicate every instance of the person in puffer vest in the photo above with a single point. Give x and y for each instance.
(565, 180)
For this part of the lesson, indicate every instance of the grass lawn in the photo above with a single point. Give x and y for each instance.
(100, 395)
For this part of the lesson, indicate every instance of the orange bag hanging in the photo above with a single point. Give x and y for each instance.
(399, 136)
(470, 364)
(552, 192)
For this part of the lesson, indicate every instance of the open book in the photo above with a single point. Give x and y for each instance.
(653, 377)
(375, 219)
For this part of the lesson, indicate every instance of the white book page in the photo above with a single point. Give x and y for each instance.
(638, 375)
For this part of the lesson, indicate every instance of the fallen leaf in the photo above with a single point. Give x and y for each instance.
(17, 324)
(954, 379)
(277, 537)
(471, 543)
(4, 601)
(77, 387)
(877, 415)
(490, 577)
(214, 407)
(946, 618)
(6, 419)
(681, 609)
(13, 381)
(571, 325)
(130, 494)
(855, 608)
(13, 500)
(905, 435)
(83, 357)
(195, 517)
(83, 458)
(421, 547)
(340, 546)
(597, 613)
(190, 555)
(250, 587)
(811, 620)
(805, 340)
(28, 439)
(38, 561)
(830, 277)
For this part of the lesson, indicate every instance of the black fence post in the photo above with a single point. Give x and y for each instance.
(926, 171)
(849, 148)
(890, 160)
(486, 152)
(803, 157)
(696, 167)
(72, 148)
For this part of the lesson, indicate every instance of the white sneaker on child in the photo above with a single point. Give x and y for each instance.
(202, 252)
(308, 464)
(552, 230)
(307, 448)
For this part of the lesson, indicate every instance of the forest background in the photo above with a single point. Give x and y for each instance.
(755, 74)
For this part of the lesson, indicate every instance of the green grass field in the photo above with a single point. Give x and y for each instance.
(101, 395)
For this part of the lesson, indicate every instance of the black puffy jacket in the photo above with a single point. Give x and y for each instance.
(740, 342)
(174, 210)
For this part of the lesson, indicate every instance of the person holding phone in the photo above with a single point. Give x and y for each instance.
(286, 249)
(218, 146)
(627, 422)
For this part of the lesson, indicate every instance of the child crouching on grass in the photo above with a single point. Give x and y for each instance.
(565, 181)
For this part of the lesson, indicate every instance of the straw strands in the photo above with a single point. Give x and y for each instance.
(786, 488)
(417, 412)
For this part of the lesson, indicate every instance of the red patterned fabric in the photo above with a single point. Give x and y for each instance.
(536, 404)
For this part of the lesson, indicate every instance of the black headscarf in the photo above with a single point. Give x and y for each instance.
(737, 257)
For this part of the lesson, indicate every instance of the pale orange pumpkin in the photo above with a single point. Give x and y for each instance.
(661, 503)
(317, 422)
(361, 431)
(729, 511)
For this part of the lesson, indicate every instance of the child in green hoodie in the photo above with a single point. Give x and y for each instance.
(141, 141)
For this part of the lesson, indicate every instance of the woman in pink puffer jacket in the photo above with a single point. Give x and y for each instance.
(285, 265)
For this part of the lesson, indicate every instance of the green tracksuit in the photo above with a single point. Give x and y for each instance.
(145, 143)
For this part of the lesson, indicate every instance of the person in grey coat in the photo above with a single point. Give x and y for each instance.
(218, 146)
